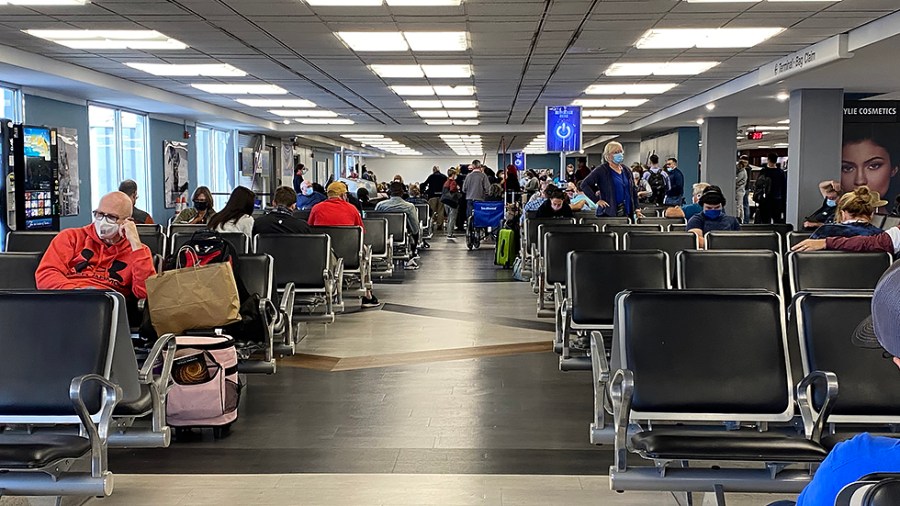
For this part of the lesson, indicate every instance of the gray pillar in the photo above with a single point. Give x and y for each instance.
(718, 157)
(814, 151)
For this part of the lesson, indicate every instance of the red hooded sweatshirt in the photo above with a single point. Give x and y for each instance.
(77, 258)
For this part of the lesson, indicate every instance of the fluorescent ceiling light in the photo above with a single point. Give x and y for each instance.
(303, 113)
(629, 89)
(594, 121)
(602, 113)
(437, 41)
(660, 68)
(344, 3)
(425, 104)
(413, 90)
(720, 1)
(784, 122)
(423, 91)
(460, 104)
(781, 128)
(43, 2)
(462, 91)
(182, 70)
(401, 71)
(454, 122)
(439, 122)
(432, 114)
(271, 103)
(109, 39)
(423, 3)
(447, 71)
(611, 102)
(241, 89)
(683, 38)
(462, 114)
(373, 41)
(320, 121)
(782, 97)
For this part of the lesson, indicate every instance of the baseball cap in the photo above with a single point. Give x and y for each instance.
(336, 189)
(881, 329)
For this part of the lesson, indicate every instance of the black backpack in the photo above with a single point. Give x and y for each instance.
(761, 188)
(658, 184)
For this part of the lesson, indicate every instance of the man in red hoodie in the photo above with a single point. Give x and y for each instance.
(105, 255)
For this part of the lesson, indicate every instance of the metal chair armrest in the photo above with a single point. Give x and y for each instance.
(98, 433)
(814, 421)
(621, 391)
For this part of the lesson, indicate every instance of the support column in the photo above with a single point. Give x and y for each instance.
(718, 157)
(814, 151)
(688, 158)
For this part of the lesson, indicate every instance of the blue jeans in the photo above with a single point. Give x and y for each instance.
(746, 204)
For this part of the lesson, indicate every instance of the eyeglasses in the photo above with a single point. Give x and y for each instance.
(109, 218)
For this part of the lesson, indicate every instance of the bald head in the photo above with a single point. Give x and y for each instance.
(116, 204)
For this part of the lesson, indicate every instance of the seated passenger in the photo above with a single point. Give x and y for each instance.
(362, 195)
(578, 201)
(237, 215)
(106, 255)
(415, 195)
(555, 207)
(855, 211)
(396, 204)
(129, 187)
(312, 194)
(864, 454)
(690, 210)
(831, 192)
(495, 193)
(538, 199)
(280, 219)
(202, 211)
(713, 217)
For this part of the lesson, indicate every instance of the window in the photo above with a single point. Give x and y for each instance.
(118, 152)
(11, 104)
(217, 162)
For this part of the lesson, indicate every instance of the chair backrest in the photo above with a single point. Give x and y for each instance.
(593, 279)
(76, 338)
(869, 387)
(376, 235)
(665, 222)
(795, 238)
(424, 213)
(302, 215)
(781, 228)
(623, 229)
(883, 493)
(396, 224)
(729, 269)
(531, 229)
(605, 220)
(558, 244)
(545, 228)
(239, 240)
(142, 227)
(299, 258)
(891, 222)
(835, 270)
(878, 220)
(670, 242)
(653, 211)
(257, 272)
(17, 270)
(347, 243)
(744, 240)
(152, 236)
(731, 364)
(29, 242)
(185, 228)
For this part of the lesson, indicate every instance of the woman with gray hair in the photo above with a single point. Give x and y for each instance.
(611, 184)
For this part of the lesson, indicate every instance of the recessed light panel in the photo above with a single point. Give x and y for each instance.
(629, 89)
(60, 3)
(612, 102)
(447, 71)
(344, 3)
(374, 41)
(268, 103)
(437, 113)
(398, 71)
(425, 104)
(462, 91)
(594, 121)
(189, 70)
(303, 113)
(109, 39)
(462, 114)
(437, 41)
(424, 91)
(421, 3)
(660, 68)
(320, 121)
(413, 91)
(241, 89)
(602, 113)
(683, 38)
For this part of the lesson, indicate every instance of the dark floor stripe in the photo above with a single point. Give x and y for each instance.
(470, 317)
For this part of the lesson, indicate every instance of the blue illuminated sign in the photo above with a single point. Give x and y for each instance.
(563, 128)
(519, 160)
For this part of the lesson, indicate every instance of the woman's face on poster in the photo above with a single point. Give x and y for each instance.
(867, 163)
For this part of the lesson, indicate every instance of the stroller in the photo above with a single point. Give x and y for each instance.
(485, 220)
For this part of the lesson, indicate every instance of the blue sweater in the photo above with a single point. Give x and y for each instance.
(600, 185)
(852, 229)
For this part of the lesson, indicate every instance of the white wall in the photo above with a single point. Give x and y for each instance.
(664, 146)
(413, 168)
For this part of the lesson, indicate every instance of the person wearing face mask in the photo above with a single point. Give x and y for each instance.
(675, 195)
(557, 206)
(713, 217)
(105, 255)
(690, 210)
(831, 193)
(611, 185)
(855, 211)
(570, 174)
(741, 179)
(308, 196)
(202, 211)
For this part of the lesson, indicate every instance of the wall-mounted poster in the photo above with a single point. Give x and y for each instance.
(175, 169)
(870, 152)
(69, 182)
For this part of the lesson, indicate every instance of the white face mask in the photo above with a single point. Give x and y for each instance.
(106, 231)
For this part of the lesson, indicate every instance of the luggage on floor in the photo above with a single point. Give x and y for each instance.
(206, 388)
(504, 254)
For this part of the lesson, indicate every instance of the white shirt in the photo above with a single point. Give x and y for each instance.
(243, 225)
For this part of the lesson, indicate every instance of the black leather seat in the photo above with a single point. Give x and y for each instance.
(302, 215)
(36, 451)
(531, 230)
(745, 445)
(670, 242)
(665, 222)
(771, 241)
(835, 270)
(397, 228)
(781, 228)
(347, 243)
(559, 242)
(795, 238)
(624, 229)
(152, 236)
(303, 266)
(29, 242)
(185, 228)
(425, 220)
(890, 222)
(744, 269)
(239, 240)
(17, 270)
(137, 406)
(883, 493)
(379, 241)
(604, 220)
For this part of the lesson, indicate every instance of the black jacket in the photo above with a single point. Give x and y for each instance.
(434, 185)
(280, 221)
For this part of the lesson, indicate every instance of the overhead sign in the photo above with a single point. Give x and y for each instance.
(563, 128)
(519, 160)
(816, 55)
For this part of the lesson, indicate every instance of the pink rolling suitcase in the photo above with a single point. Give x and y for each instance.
(206, 389)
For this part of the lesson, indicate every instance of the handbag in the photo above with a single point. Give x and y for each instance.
(193, 298)
(450, 198)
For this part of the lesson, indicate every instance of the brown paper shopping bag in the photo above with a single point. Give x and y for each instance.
(193, 298)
